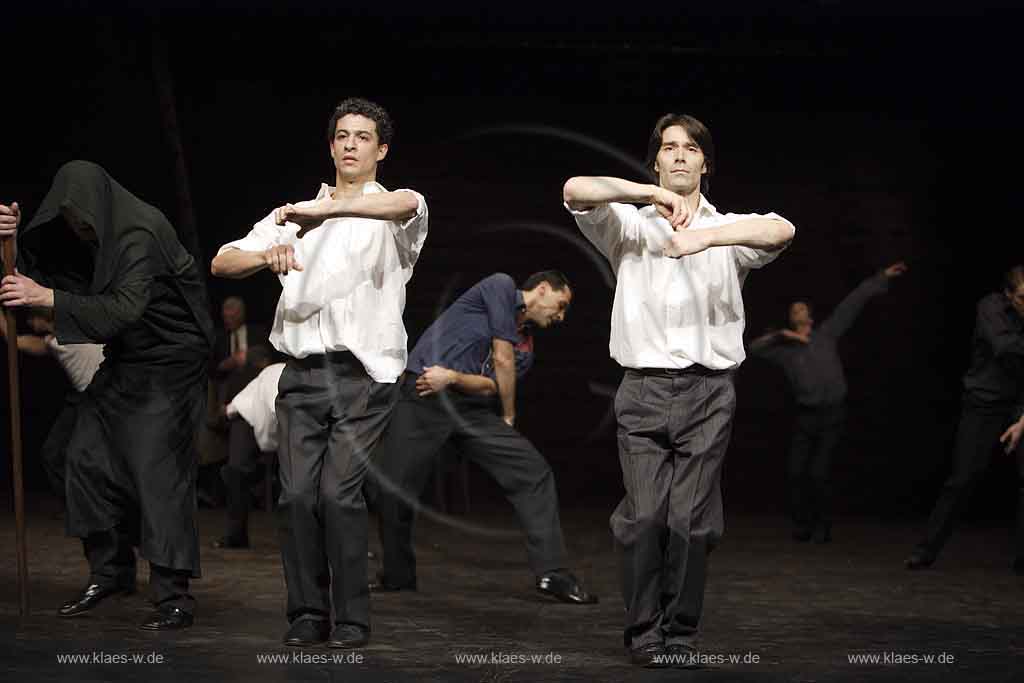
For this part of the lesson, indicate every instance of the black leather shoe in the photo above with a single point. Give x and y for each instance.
(229, 543)
(349, 636)
(919, 559)
(1018, 566)
(92, 595)
(650, 656)
(823, 533)
(306, 632)
(802, 534)
(682, 656)
(167, 618)
(563, 586)
(382, 585)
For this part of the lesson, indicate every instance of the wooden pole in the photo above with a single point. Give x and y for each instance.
(14, 394)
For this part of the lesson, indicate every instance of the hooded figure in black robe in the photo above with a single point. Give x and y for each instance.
(120, 277)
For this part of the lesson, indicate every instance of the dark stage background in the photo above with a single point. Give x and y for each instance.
(883, 134)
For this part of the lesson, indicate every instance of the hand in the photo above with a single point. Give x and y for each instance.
(434, 380)
(1011, 437)
(306, 217)
(10, 216)
(895, 269)
(672, 207)
(281, 259)
(685, 243)
(18, 290)
(795, 336)
(510, 420)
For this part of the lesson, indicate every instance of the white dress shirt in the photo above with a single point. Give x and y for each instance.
(350, 293)
(239, 339)
(256, 405)
(80, 361)
(672, 313)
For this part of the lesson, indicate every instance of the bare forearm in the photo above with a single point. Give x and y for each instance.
(584, 192)
(505, 373)
(475, 385)
(767, 234)
(387, 206)
(237, 263)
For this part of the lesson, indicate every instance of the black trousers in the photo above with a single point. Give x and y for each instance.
(816, 434)
(112, 563)
(330, 416)
(242, 471)
(977, 438)
(411, 446)
(55, 449)
(673, 433)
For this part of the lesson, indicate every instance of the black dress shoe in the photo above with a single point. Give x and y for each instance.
(682, 656)
(229, 543)
(919, 559)
(306, 632)
(563, 586)
(92, 595)
(802, 534)
(650, 656)
(167, 618)
(823, 533)
(349, 636)
(1018, 566)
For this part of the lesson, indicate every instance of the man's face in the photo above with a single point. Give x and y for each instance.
(82, 230)
(232, 315)
(356, 148)
(680, 162)
(1016, 298)
(800, 315)
(549, 306)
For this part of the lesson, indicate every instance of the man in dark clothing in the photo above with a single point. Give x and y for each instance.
(810, 359)
(993, 403)
(130, 478)
(474, 350)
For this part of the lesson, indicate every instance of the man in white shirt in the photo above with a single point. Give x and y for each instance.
(80, 362)
(343, 260)
(677, 329)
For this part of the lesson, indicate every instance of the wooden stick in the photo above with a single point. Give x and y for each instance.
(15, 401)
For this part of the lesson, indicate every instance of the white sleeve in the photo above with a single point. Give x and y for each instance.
(607, 226)
(748, 258)
(263, 236)
(411, 233)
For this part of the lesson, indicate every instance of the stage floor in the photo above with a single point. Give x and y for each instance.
(775, 610)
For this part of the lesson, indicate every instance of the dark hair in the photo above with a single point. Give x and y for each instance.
(555, 278)
(371, 110)
(1014, 278)
(697, 131)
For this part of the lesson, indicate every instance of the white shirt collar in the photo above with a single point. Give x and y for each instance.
(368, 188)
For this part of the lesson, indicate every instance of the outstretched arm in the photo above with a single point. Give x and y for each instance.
(31, 344)
(843, 317)
(436, 379)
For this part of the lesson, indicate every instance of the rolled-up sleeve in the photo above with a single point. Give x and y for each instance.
(749, 258)
(606, 225)
(411, 234)
(263, 236)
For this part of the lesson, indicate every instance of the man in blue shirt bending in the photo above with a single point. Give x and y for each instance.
(472, 352)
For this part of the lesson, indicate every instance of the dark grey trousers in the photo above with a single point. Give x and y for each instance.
(816, 435)
(410, 449)
(242, 470)
(674, 430)
(330, 414)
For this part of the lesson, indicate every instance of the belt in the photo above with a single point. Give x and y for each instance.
(694, 369)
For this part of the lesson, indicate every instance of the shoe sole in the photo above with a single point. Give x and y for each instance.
(566, 599)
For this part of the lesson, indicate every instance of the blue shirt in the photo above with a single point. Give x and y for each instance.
(460, 339)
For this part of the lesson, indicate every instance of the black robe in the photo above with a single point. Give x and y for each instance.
(131, 455)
